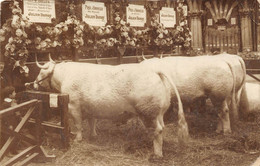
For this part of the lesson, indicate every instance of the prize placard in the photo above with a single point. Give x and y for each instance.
(39, 11)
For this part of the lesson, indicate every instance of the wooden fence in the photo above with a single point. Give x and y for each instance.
(52, 102)
(226, 40)
(30, 109)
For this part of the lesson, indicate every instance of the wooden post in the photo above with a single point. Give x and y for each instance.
(246, 28)
(195, 14)
(63, 101)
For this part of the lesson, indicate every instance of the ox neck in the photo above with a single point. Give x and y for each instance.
(56, 78)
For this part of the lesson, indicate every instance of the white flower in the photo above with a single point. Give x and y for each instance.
(117, 18)
(54, 44)
(22, 23)
(107, 31)
(48, 40)
(39, 28)
(16, 3)
(100, 31)
(56, 30)
(37, 40)
(19, 32)
(27, 41)
(125, 34)
(65, 28)
(81, 27)
(25, 35)
(14, 22)
(10, 40)
(2, 31)
(122, 22)
(2, 38)
(79, 32)
(160, 35)
(139, 32)
(43, 44)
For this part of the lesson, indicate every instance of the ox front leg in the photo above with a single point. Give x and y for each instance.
(92, 125)
(224, 122)
(76, 114)
(158, 136)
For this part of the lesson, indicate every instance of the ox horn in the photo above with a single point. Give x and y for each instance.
(161, 56)
(50, 59)
(143, 55)
(41, 66)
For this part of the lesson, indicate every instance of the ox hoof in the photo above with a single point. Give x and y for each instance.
(155, 158)
(227, 132)
(78, 138)
(218, 131)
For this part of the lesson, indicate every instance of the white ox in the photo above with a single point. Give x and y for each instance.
(253, 93)
(114, 92)
(240, 107)
(201, 77)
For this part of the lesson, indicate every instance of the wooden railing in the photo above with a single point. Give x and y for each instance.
(27, 110)
(49, 101)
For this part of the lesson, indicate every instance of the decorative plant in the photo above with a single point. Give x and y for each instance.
(160, 38)
(16, 39)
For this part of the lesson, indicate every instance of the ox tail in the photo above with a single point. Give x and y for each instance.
(234, 111)
(183, 131)
(243, 99)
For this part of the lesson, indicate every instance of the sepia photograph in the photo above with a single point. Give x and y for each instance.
(130, 82)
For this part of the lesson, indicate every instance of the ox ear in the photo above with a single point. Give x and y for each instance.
(41, 66)
(50, 59)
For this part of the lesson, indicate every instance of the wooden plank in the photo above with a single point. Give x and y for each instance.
(7, 144)
(251, 75)
(47, 124)
(19, 136)
(18, 107)
(19, 156)
(28, 159)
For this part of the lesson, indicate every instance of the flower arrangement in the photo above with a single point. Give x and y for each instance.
(14, 35)
(19, 35)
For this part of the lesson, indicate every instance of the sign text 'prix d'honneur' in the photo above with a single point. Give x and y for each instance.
(94, 13)
(136, 15)
(39, 11)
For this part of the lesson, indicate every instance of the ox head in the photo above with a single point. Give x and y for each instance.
(43, 80)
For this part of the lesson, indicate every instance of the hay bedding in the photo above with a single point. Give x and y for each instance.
(128, 144)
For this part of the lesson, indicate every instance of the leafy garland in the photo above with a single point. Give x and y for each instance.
(19, 35)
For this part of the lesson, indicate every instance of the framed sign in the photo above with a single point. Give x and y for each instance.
(233, 21)
(168, 17)
(136, 15)
(94, 13)
(210, 22)
(39, 11)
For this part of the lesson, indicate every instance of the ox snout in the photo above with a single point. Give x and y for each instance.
(35, 85)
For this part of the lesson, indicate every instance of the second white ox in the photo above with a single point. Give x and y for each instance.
(202, 77)
(114, 92)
